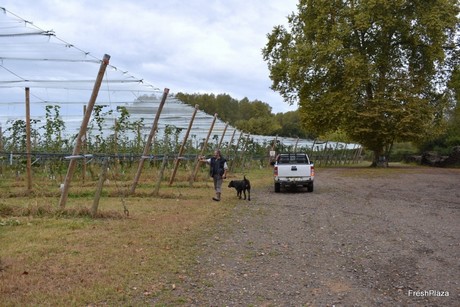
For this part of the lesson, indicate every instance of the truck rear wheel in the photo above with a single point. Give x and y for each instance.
(277, 187)
(310, 187)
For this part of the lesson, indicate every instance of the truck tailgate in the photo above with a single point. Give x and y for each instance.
(298, 170)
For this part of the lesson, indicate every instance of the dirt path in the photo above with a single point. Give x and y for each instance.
(357, 240)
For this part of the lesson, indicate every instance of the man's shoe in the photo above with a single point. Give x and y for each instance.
(215, 199)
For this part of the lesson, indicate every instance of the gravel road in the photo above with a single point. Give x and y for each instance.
(359, 239)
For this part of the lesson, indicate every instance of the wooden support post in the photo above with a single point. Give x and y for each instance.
(82, 132)
(181, 150)
(235, 153)
(28, 143)
(222, 137)
(324, 154)
(84, 150)
(271, 157)
(312, 154)
(160, 175)
(343, 155)
(245, 151)
(115, 144)
(230, 144)
(149, 141)
(203, 148)
(357, 154)
(349, 155)
(275, 142)
(336, 154)
(100, 184)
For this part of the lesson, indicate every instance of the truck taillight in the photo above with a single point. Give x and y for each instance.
(312, 171)
(275, 171)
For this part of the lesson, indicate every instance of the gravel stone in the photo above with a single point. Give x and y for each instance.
(357, 240)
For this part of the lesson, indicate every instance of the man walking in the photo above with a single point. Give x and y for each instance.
(218, 171)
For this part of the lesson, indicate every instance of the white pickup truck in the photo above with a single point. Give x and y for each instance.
(293, 170)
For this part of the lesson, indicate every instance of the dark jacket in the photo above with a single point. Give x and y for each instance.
(217, 166)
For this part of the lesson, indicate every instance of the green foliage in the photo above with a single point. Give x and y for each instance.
(451, 137)
(98, 142)
(453, 128)
(254, 117)
(16, 139)
(171, 142)
(402, 150)
(291, 125)
(338, 136)
(54, 129)
(119, 142)
(374, 69)
(222, 104)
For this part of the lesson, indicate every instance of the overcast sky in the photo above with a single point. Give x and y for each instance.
(191, 46)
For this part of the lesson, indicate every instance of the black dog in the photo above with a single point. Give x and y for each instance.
(241, 186)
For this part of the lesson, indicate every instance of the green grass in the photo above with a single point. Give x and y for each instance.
(55, 257)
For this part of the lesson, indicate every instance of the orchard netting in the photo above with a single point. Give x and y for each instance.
(61, 76)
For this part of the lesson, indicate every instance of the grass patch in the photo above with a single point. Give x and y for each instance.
(65, 257)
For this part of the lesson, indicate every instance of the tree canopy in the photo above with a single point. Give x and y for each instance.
(374, 69)
(255, 117)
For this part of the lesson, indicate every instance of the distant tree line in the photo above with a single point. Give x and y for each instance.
(254, 117)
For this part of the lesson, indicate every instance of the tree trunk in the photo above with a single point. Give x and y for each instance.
(379, 159)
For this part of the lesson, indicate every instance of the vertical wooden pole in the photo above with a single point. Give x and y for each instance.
(357, 154)
(324, 154)
(312, 154)
(149, 141)
(28, 143)
(230, 144)
(245, 151)
(84, 150)
(181, 150)
(274, 143)
(222, 137)
(203, 148)
(102, 178)
(160, 175)
(272, 150)
(115, 144)
(350, 155)
(335, 155)
(82, 132)
(343, 155)
(235, 153)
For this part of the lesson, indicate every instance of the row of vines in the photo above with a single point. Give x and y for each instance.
(120, 143)
(121, 138)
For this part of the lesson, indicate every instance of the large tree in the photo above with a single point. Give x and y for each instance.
(375, 69)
